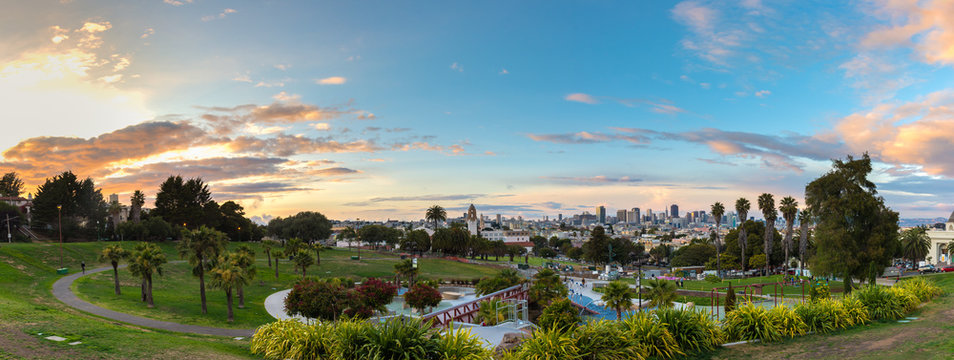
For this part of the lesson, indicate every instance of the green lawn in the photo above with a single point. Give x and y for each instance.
(27, 272)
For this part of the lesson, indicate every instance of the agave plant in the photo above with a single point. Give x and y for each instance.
(788, 323)
(925, 290)
(750, 322)
(604, 340)
(693, 331)
(547, 344)
(460, 344)
(645, 329)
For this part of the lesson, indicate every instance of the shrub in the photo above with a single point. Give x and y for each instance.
(713, 279)
(649, 333)
(819, 291)
(856, 312)
(461, 345)
(750, 322)
(350, 338)
(909, 301)
(693, 331)
(788, 323)
(290, 339)
(561, 314)
(401, 338)
(317, 299)
(729, 299)
(826, 315)
(604, 339)
(881, 304)
(547, 344)
(421, 296)
(489, 314)
(922, 288)
(376, 294)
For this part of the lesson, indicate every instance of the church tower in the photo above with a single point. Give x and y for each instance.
(472, 220)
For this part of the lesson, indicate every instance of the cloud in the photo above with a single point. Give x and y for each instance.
(593, 180)
(432, 197)
(288, 145)
(287, 109)
(635, 136)
(763, 93)
(221, 15)
(503, 72)
(177, 2)
(457, 67)
(334, 80)
(581, 97)
(710, 42)
(925, 26)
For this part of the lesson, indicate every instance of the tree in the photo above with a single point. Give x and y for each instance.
(546, 288)
(244, 258)
(406, 270)
(267, 249)
(789, 209)
(114, 254)
(376, 294)
(137, 200)
(767, 206)
(229, 275)
(693, 255)
(661, 293)
(915, 244)
(804, 221)
(416, 241)
(308, 225)
(184, 202)
(742, 206)
(757, 261)
(617, 295)
(203, 246)
(318, 247)
(303, 260)
(377, 234)
(115, 209)
(560, 314)
(11, 185)
(278, 255)
(855, 233)
(77, 199)
(660, 252)
(574, 253)
(489, 313)
(318, 299)
(421, 297)
(504, 279)
(144, 262)
(596, 249)
(717, 211)
(435, 214)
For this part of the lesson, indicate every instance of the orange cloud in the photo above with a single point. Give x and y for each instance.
(334, 80)
(926, 26)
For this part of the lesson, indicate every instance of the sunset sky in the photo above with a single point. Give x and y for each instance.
(379, 109)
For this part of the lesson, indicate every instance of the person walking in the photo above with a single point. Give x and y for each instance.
(83, 266)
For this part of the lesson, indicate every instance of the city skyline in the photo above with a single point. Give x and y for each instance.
(378, 110)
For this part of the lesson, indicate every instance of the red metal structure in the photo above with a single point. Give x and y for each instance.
(466, 312)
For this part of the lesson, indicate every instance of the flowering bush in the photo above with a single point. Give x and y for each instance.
(375, 294)
(422, 296)
(317, 299)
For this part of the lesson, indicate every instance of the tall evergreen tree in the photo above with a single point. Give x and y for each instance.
(767, 206)
(742, 206)
(717, 211)
(789, 209)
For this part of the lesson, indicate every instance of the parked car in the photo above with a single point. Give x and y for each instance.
(927, 269)
(948, 269)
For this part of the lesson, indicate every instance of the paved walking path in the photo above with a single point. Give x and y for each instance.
(62, 291)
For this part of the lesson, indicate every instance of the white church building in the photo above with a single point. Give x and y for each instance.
(938, 253)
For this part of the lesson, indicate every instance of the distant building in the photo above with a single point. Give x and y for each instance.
(634, 217)
(601, 214)
(472, 221)
(938, 252)
(507, 236)
(674, 210)
(621, 216)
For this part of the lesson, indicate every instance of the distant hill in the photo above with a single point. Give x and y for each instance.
(921, 221)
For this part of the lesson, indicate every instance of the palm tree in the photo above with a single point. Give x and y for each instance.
(144, 262)
(348, 234)
(267, 249)
(303, 260)
(318, 247)
(915, 243)
(661, 292)
(767, 206)
(435, 213)
(619, 296)
(278, 255)
(406, 270)
(114, 254)
(742, 206)
(203, 246)
(804, 221)
(717, 211)
(228, 275)
(245, 260)
(135, 210)
(789, 209)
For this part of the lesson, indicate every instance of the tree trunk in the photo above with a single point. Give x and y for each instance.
(116, 277)
(241, 296)
(303, 269)
(317, 258)
(511, 257)
(269, 255)
(228, 301)
(742, 239)
(205, 310)
(276, 268)
(149, 302)
(142, 290)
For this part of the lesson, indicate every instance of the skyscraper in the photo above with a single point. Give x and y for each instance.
(601, 214)
(621, 216)
(636, 219)
(674, 211)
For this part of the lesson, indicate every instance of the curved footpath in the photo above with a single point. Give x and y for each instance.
(62, 290)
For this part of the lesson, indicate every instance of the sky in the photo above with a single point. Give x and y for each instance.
(379, 109)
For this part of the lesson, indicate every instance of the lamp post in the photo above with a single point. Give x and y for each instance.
(639, 285)
(59, 217)
(240, 233)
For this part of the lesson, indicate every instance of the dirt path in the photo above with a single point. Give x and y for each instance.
(928, 337)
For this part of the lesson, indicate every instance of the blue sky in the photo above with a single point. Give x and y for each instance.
(379, 109)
